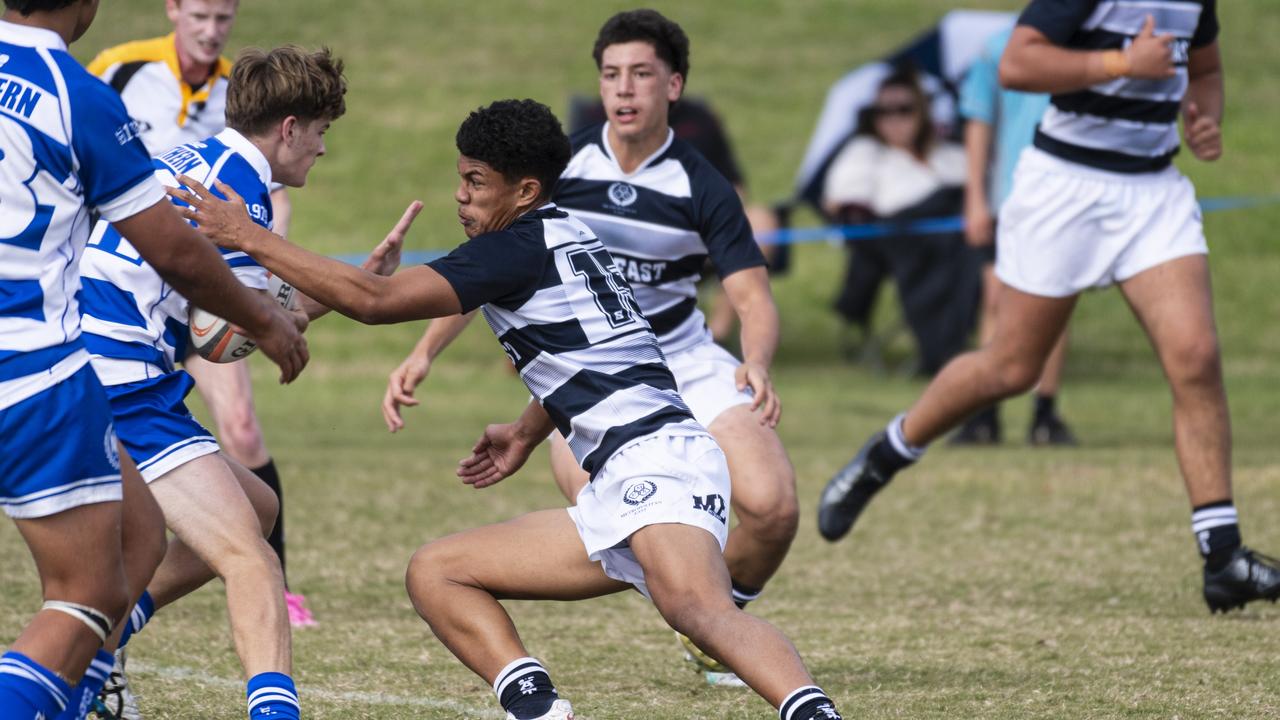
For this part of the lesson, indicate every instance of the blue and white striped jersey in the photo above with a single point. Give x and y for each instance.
(135, 324)
(67, 148)
(1124, 125)
(568, 320)
(660, 223)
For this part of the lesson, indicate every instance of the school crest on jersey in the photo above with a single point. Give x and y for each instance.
(622, 194)
(110, 447)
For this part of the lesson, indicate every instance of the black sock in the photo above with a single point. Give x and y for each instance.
(1217, 532)
(989, 416)
(524, 688)
(743, 594)
(1045, 407)
(269, 476)
(808, 703)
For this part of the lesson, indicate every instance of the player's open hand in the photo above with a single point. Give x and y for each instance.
(225, 222)
(497, 455)
(766, 400)
(1203, 134)
(400, 386)
(385, 258)
(1150, 56)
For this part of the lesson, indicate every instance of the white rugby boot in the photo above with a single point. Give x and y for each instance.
(560, 710)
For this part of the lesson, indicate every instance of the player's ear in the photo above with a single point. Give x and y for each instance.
(675, 87)
(171, 9)
(289, 128)
(529, 190)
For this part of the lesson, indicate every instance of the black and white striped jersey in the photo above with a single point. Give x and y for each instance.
(1124, 125)
(660, 223)
(568, 320)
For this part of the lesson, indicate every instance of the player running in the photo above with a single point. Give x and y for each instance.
(175, 87)
(1097, 201)
(279, 105)
(661, 210)
(67, 148)
(653, 515)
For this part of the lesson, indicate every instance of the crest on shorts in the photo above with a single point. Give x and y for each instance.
(622, 194)
(638, 492)
(109, 446)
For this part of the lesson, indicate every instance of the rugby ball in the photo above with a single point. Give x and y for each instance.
(215, 340)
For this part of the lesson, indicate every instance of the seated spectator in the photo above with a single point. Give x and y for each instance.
(896, 168)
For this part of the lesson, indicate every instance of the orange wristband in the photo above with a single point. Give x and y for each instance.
(1115, 63)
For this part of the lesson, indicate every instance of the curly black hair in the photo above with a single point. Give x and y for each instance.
(26, 7)
(668, 40)
(518, 138)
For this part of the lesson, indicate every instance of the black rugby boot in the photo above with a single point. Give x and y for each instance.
(846, 494)
(1247, 577)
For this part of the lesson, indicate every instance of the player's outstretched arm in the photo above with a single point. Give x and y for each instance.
(415, 294)
(1203, 104)
(748, 292)
(1033, 63)
(503, 449)
(384, 260)
(406, 378)
(195, 269)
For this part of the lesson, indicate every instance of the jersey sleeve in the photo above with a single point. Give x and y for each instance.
(981, 87)
(1207, 29)
(1058, 20)
(492, 268)
(723, 225)
(115, 168)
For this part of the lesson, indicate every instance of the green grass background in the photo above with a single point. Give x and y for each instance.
(1003, 583)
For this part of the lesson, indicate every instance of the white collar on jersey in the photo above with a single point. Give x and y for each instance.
(30, 36)
(608, 151)
(240, 144)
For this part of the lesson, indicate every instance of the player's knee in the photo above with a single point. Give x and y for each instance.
(430, 571)
(772, 516)
(240, 432)
(1018, 375)
(1195, 362)
(691, 611)
(105, 593)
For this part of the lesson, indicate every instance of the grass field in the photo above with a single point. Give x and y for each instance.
(1004, 583)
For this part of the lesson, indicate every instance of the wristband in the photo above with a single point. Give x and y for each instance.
(1115, 63)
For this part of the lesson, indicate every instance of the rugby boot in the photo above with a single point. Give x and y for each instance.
(116, 701)
(1049, 431)
(560, 710)
(846, 494)
(981, 429)
(1247, 577)
(713, 671)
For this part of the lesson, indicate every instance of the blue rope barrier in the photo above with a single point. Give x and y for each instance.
(867, 231)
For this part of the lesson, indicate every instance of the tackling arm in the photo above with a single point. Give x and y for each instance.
(418, 292)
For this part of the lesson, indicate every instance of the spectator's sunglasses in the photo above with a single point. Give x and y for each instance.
(891, 110)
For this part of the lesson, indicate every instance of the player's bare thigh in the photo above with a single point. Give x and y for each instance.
(207, 507)
(759, 469)
(538, 556)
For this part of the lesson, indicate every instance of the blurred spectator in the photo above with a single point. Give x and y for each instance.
(1000, 125)
(896, 168)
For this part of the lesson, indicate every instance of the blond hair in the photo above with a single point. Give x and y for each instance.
(268, 86)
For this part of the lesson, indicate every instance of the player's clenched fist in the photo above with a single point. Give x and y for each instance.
(1202, 133)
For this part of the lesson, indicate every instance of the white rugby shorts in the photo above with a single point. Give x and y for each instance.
(704, 377)
(1066, 227)
(658, 479)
